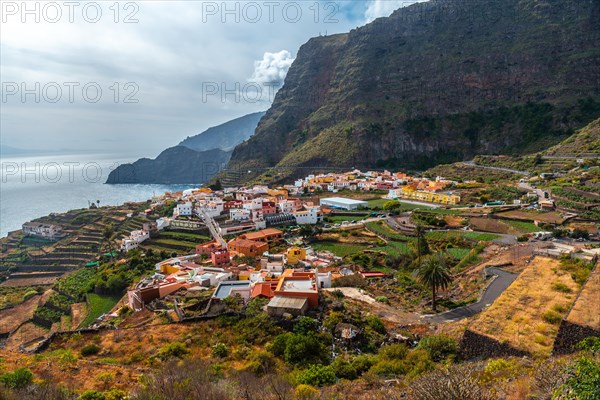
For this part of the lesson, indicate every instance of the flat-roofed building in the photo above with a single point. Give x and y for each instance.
(342, 203)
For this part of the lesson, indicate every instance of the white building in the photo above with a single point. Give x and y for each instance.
(134, 240)
(286, 206)
(46, 231)
(309, 216)
(343, 203)
(183, 209)
(238, 214)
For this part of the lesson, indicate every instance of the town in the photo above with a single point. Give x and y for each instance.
(331, 241)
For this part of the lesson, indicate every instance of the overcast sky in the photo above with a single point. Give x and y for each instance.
(166, 70)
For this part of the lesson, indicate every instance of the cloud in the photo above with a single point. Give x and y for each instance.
(272, 69)
(384, 8)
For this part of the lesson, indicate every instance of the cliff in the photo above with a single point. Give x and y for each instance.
(177, 164)
(225, 136)
(435, 82)
(195, 160)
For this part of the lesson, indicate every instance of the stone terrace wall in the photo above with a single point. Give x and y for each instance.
(569, 334)
(476, 346)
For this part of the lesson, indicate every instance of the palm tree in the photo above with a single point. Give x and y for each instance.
(419, 230)
(434, 272)
(108, 237)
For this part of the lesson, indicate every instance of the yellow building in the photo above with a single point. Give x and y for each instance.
(169, 269)
(409, 192)
(295, 255)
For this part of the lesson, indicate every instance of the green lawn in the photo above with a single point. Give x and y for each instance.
(339, 249)
(487, 237)
(341, 218)
(394, 248)
(384, 230)
(377, 203)
(190, 237)
(98, 305)
(525, 227)
(458, 253)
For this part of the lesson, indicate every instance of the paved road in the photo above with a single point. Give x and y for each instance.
(493, 291)
(513, 171)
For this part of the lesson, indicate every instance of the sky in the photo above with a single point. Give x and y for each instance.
(135, 77)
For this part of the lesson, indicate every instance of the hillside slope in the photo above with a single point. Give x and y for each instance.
(585, 142)
(434, 83)
(225, 136)
(175, 165)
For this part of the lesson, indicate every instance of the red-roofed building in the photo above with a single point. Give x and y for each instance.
(265, 290)
(208, 248)
(220, 258)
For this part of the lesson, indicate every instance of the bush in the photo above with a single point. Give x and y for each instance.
(175, 349)
(90, 350)
(92, 395)
(307, 392)
(29, 294)
(382, 299)
(561, 287)
(261, 362)
(304, 349)
(439, 347)
(344, 369)
(305, 326)
(317, 375)
(375, 323)
(552, 317)
(20, 378)
(220, 350)
(393, 352)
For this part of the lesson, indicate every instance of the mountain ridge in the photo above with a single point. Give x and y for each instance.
(435, 82)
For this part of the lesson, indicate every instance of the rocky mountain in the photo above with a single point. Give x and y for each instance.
(195, 160)
(585, 142)
(225, 136)
(435, 82)
(177, 164)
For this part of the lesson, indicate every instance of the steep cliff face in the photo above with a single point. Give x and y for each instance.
(435, 82)
(225, 136)
(175, 165)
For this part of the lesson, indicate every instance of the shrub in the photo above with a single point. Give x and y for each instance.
(175, 349)
(220, 350)
(438, 346)
(375, 323)
(344, 369)
(261, 362)
(363, 363)
(90, 350)
(393, 352)
(317, 375)
(561, 287)
(305, 326)
(591, 343)
(304, 349)
(552, 317)
(92, 395)
(382, 299)
(307, 392)
(29, 294)
(20, 378)
(499, 369)
(583, 381)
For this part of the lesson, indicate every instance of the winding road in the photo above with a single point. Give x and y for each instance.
(492, 292)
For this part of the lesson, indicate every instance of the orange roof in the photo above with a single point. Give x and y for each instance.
(262, 233)
(263, 289)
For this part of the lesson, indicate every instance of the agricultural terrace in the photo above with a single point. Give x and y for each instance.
(527, 315)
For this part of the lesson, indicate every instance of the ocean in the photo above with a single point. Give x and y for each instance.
(34, 186)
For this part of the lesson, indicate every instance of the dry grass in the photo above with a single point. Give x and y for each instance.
(582, 313)
(526, 316)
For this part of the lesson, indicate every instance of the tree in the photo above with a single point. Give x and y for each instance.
(419, 231)
(433, 272)
(392, 205)
(108, 237)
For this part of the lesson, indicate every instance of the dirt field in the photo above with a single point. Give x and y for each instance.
(489, 225)
(11, 318)
(391, 315)
(550, 217)
(25, 333)
(527, 314)
(582, 313)
(78, 314)
(29, 282)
